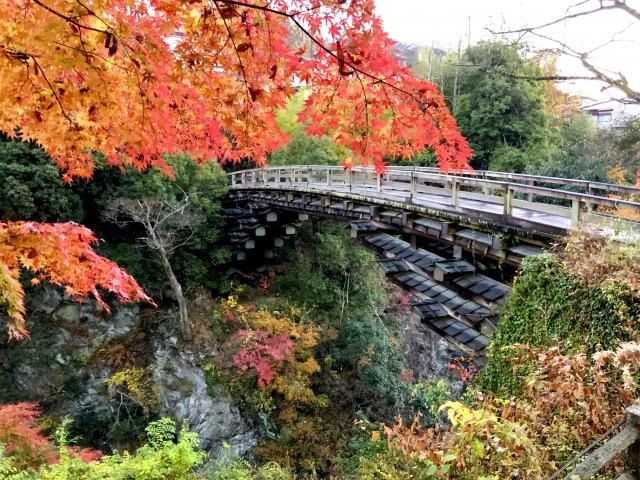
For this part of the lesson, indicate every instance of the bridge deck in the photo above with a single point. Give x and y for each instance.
(443, 201)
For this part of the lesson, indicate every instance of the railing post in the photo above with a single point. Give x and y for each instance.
(233, 179)
(278, 173)
(508, 201)
(413, 187)
(455, 192)
(329, 177)
(589, 192)
(352, 179)
(531, 183)
(575, 212)
(379, 182)
(633, 453)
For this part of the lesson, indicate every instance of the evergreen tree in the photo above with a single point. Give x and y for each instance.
(501, 110)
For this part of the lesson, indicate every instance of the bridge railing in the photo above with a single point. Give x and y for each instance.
(587, 186)
(626, 442)
(505, 189)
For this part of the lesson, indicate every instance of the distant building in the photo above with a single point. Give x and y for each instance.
(611, 113)
(410, 55)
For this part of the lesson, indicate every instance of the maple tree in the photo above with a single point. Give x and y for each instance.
(25, 442)
(62, 255)
(260, 352)
(138, 80)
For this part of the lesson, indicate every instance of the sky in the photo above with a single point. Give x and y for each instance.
(443, 23)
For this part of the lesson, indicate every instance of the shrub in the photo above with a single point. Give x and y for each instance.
(550, 305)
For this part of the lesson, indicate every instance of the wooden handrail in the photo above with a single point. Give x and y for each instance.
(600, 458)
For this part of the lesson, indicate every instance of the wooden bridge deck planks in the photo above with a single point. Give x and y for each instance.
(444, 202)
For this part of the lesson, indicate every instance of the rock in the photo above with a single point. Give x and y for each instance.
(67, 313)
(60, 359)
(45, 299)
(184, 396)
(428, 355)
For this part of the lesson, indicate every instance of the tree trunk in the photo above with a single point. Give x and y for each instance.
(183, 315)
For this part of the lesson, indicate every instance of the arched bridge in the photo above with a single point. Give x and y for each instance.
(503, 201)
(457, 229)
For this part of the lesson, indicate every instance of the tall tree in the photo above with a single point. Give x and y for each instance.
(31, 186)
(168, 223)
(503, 116)
(137, 80)
(205, 77)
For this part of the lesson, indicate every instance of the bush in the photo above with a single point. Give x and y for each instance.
(550, 306)
(162, 458)
(32, 187)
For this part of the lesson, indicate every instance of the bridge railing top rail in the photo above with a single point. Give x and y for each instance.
(588, 185)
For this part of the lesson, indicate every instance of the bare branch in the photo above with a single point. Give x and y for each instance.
(613, 79)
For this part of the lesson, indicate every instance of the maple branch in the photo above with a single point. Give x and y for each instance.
(335, 90)
(53, 90)
(554, 22)
(68, 19)
(366, 113)
(553, 78)
(242, 69)
(322, 46)
(620, 81)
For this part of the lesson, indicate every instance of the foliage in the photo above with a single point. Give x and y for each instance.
(276, 349)
(21, 438)
(32, 188)
(503, 116)
(394, 453)
(429, 396)
(82, 60)
(626, 147)
(420, 159)
(306, 150)
(332, 276)
(139, 386)
(287, 117)
(268, 363)
(242, 470)
(8, 471)
(61, 254)
(261, 352)
(486, 445)
(368, 347)
(161, 459)
(550, 306)
(197, 259)
(611, 264)
(23, 446)
(582, 154)
(69, 65)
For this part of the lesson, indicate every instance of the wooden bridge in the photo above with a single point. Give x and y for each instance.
(503, 201)
(460, 227)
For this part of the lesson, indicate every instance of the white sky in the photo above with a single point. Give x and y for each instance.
(443, 22)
